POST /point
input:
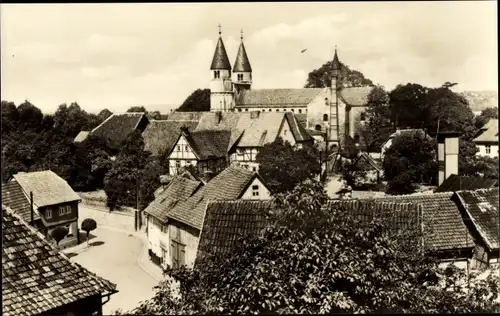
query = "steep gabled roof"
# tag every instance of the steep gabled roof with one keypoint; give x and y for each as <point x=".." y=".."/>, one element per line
<point x="47" y="187"/>
<point x="259" y="128"/>
<point x="220" y="60"/>
<point x="298" y="130"/>
<point x="459" y="183"/>
<point x="36" y="277"/>
<point x="227" y="185"/>
<point x="160" y="136"/>
<point x="481" y="207"/>
<point x="14" y="197"/>
<point x="116" y="128"/>
<point x="209" y="143"/>
<point x="227" y="221"/>
<point x="271" y="98"/>
<point x="242" y="64"/>
<point x="177" y="191"/>
<point x="488" y="133"/>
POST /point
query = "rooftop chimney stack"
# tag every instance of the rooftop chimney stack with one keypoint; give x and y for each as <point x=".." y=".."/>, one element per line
<point x="448" y="150"/>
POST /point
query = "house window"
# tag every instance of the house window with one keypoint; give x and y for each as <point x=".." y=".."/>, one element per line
<point x="293" y="110"/>
<point x="277" y="110"/>
<point x="254" y="169"/>
<point x="177" y="164"/>
<point x="285" y="132"/>
<point x="62" y="210"/>
<point x="263" y="110"/>
<point x="216" y="74"/>
<point x="325" y="117"/>
<point x="362" y="116"/>
<point x="317" y="127"/>
<point x="68" y="209"/>
<point x="179" y="148"/>
<point x="300" y="111"/>
<point x="246" y="110"/>
<point x="48" y="213"/>
<point x="186" y="148"/>
<point x="255" y="190"/>
<point x="488" y="149"/>
<point x="178" y="254"/>
<point x="239" y="110"/>
<point x="270" y="110"/>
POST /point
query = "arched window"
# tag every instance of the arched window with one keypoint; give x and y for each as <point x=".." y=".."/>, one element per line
<point x="317" y="127"/>
<point x="325" y="117"/>
<point x="216" y="74"/>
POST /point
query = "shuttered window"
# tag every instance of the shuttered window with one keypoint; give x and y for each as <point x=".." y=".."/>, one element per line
<point x="178" y="253"/>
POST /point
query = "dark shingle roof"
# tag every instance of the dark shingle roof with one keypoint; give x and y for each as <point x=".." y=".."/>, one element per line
<point x="226" y="221"/>
<point x="459" y="183"/>
<point x="227" y="185"/>
<point x="482" y="208"/>
<point x="14" y="197"/>
<point x="209" y="143"/>
<point x="47" y="187"/>
<point x="178" y="190"/>
<point x="185" y="116"/>
<point x="299" y="132"/>
<point x="242" y="64"/>
<point x="160" y="136"/>
<point x="444" y="227"/>
<point x="220" y="60"/>
<point x="277" y="97"/>
<point x="116" y="128"/>
<point x="36" y="277"/>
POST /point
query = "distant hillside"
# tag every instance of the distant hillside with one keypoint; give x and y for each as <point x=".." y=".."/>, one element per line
<point x="480" y="100"/>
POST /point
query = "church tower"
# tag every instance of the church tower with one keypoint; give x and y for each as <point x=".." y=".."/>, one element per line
<point x="242" y="69"/>
<point x="221" y="86"/>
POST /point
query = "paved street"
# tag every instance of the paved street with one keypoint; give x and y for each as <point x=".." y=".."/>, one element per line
<point x="119" y="257"/>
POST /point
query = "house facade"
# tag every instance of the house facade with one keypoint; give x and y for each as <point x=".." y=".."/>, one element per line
<point x="55" y="204"/>
<point x="175" y="217"/>
<point x="487" y="140"/>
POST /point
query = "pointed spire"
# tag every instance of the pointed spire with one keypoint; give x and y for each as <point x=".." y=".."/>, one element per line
<point x="220" y="59"/>
<point x="336" y="62"/>
<point x="242" y="64"/>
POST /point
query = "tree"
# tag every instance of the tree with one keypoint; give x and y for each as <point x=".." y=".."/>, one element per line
<point x="312" y="258"/>
<point x="88" y="225"/>
<point x="199" y="100"/>
<point x="149" y="181"/>
<point x="282" y="166"/>
<point x="138" y="108"/>
<point x="322" y="77"/>
<point x="59" y="233"/>
<point x="104" y="114"/>
<point x="409" y="160"/>
<point x="487" y="167"/>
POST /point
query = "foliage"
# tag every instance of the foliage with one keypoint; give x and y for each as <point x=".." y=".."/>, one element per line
<point x="199" y="100"/>
<point x="59" y="233"/>
<point x="411" y="159"/>
<point x="88" y="225"/>
<point x="490" y="113"/>
<point x="104" y="114"/>
<point x="487" y="167"/>
<point x="317" y="259"/>
<point x="149" y="181"/>
<point x="282" y="166"/>
<point x="321" y="77"/>
<point x="139" y="108"/>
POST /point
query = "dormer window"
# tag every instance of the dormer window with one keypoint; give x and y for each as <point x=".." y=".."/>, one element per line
<point x="240" y="77"/>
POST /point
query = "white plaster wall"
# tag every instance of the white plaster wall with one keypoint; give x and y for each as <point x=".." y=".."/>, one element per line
<point x="286" y="133"/>
<point x="482" y="151"/>
<point x="264" y="193"/>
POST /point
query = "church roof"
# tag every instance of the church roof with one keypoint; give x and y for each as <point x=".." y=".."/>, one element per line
<point x="355" y="96"/>
<point x="242" y="63"/>
<point x="336" y="62"/>
<point x="220" y="60"/>
<point x="277" y="97"/>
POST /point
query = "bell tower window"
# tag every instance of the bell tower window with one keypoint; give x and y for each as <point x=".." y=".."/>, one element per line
<point x="216" y="74"/>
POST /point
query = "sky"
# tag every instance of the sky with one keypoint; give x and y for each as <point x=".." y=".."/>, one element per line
<point x="119" y="55"/>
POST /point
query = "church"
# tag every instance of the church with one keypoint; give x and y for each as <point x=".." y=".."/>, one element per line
<point x="333" y="110"/>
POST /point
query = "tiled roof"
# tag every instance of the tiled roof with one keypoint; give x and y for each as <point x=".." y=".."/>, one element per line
<point x="459" y="183"/>
<point x="482" y="208"/>
<point x="185" y="116"/>
<point x="302" y="118"/>
<point x="222" y="121"/>
<point x="220" y="60"/>
<point x="260" y="128"/>
<point x="355" y="96"/>
<point x="298" y="130"/>
<point x="227" y="221"/>
<point x="444" y="228"/>
<point x="47" y="187"/>
<point x="209" y="143"/>
<point x="227" y="185"/>
<point x="116" y="128"/>
<point x="242" y="63"/>
<point x="277" y="97"/>
<point x="36" y="277"/>
<point x="81" y="136"/>
<point x="178" y="190"/>
<point x="14" y="197"/>
<point x="160" y="136"/>
<point x="489" y="133"/>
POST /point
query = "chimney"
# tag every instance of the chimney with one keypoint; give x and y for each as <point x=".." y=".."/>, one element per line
<point x="448" y="150"/>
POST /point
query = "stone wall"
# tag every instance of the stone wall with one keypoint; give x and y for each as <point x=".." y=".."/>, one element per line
<point x="120" y="219"/>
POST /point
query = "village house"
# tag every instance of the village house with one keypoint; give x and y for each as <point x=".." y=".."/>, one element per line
<point x="175" y="217"/>
<point x="116" y="128"/>
<point x="487" y="140"/>
<point x="54" y="202"/>
<point x="160" y="135"/>
<point x="37" y="279"/>
<point x="331" y="109"/>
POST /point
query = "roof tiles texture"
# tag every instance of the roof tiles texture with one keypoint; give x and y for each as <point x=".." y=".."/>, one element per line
<point x="482" y="208"/>
<point x="226" y="222"/>
<point x="220" y="59"/>
<point x="160" y="136"/>
<point x="209" y="143"/>
<point x="459" y="183"/>
<point x="14" y="197"/>
<point x="242" y="64"/>
<point x="277" y="97"/>
<point x="116" y="128"/>
<point x="47" y="187"/>
<point x="227" y="185"/>
<point x="36" y="277"/>
<point x="355" y="96"/>
<point x="185" y="116"/>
